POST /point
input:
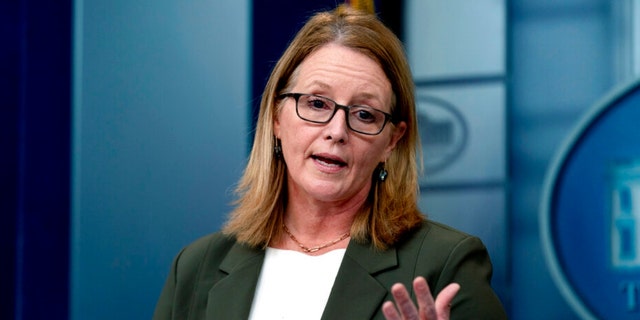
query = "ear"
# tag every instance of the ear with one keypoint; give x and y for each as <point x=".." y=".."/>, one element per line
<point x="276" y="126"/>
<point x="398" y="131"/>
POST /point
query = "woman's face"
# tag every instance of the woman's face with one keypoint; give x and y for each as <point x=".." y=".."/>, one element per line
<point x="329" y="162"/>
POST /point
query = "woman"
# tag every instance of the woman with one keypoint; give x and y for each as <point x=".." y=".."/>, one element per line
<point x="327" y="224"/>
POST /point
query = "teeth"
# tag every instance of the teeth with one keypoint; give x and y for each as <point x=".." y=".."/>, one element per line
<point x="329" y="162"/>
<point x="333" y="164"/>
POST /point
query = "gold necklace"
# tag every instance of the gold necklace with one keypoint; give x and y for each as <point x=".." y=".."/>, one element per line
<point x="316" y="248"/>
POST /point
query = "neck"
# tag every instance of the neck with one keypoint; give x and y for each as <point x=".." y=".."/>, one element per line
<point x="314" y="222"/>
<point x="318" y="205"/>
<point x="319" y="224"/>
<point x="314" y="249"/>
<point x="314" y="216"/>
<point x="314" y="232"/>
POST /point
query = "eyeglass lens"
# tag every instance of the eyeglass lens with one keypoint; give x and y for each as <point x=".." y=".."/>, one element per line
<point x="321" y="110"/>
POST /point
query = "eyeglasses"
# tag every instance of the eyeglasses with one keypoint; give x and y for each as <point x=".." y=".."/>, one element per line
<point x="317" y="109"/>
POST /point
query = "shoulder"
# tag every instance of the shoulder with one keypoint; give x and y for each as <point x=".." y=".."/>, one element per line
<point x="446" y="235"/>
<point x="436" y="247"/>
<point x="212" y="247"/>
<point x="444" y="255"/>
<point x="215" y="241"/>
<point x="434" y="236"/>
<point x="196" y="262"/>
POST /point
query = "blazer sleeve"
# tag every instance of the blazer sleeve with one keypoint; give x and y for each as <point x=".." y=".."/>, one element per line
<point x="469" y="265"/>
<point x="193" y="273"/>
<point x="178" y="299"/>
<point x="164" y="306"/>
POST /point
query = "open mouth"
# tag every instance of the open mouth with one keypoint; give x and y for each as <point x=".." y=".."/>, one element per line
<point x="332" y="162"/>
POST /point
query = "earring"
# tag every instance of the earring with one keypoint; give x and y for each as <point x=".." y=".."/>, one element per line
<point x="277" y="149"/>
<point x="382" y="173"/>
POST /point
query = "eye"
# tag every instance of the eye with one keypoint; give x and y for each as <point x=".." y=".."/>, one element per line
<point x="365" y="115"/>
<point x="317" y="103"/>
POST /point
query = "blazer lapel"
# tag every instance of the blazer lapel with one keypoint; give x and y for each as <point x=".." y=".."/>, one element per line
<point x="232" y="296"/>
<point x="356" y="293"/>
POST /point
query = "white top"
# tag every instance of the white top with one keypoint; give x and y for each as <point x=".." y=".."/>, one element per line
<point x="293" y="285"/>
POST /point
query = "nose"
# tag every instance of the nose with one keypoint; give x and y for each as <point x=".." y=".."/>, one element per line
<point x="337" y="129"/>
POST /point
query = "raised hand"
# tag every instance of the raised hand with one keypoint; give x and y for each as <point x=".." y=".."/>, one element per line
<point x="427" y="308"/>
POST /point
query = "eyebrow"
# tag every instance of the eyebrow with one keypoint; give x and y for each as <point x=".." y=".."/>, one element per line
<point x="360" y="96"/>
<point x="321" y="84"/>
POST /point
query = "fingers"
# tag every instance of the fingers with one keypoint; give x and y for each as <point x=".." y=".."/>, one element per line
<point x="389" y="311"/>
<point x="427" y="307"/>
<point x="405" y="308"/>
<point x="444" y="299"/>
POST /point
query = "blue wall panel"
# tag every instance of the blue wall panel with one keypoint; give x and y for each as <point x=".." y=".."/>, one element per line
<point x="160" y="138"/>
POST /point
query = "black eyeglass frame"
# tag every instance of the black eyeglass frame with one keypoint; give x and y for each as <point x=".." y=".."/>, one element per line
<point x="387" y="116"/>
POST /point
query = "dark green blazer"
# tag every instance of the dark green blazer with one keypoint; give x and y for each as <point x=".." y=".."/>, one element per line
<point x="215" y="277"/>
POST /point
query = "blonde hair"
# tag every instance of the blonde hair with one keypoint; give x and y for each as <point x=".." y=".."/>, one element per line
<point x="391" y="208"/>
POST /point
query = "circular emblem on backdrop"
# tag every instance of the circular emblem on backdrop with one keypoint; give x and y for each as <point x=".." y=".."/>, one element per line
<point x="443" y="132"/>
<point x="590" y="212"/>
